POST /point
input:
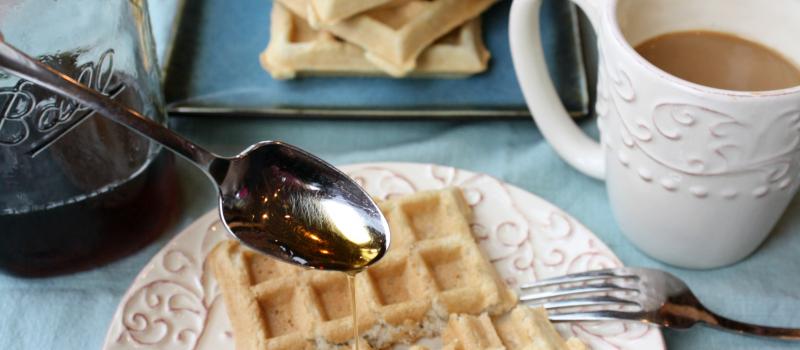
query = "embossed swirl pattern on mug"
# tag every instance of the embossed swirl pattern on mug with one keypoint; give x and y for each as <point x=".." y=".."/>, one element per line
<point x="766" y="153"/>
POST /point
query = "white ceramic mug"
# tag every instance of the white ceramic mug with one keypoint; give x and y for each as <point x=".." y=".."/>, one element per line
<point x="696" y="176"/>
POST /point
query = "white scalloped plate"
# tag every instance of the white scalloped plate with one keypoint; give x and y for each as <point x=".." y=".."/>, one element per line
<point x="174" y="303"/>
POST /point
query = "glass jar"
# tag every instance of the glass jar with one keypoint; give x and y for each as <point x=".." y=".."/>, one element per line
<point x="77" y="190"/>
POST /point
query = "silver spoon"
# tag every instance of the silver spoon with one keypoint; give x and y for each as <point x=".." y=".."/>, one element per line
<point x="274" y="197"/>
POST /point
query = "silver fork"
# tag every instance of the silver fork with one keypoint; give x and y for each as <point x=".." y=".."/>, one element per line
<point x="634" y="294"/>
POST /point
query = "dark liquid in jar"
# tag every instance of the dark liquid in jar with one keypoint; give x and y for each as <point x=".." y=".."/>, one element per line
<point x="94" y="231"/>
<point x="95" y="193"/>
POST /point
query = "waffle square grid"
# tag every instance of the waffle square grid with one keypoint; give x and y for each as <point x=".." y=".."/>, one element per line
<point x="434" y="268"/>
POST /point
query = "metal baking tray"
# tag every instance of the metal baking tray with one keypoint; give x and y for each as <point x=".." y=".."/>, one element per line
<point x="209" y="52"/>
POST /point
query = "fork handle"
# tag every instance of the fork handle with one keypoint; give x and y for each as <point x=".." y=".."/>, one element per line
<point x="726" y="324"/>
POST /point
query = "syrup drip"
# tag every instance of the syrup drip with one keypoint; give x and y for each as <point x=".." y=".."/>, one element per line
<point x="351" y="284"/>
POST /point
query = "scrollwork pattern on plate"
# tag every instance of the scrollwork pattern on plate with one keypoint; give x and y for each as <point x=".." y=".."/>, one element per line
<point x="383" y="183"/>
<point x="170" y="306"/>
<point x="149" y="312"/>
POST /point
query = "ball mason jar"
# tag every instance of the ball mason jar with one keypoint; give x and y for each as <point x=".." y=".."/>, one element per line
<point x="77" y="190"/>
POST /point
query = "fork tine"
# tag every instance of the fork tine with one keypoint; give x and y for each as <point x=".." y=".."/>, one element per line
<point x="574" y="291"/>
<point x="602" y="315"/>
<point x="579" y="277"/>
<point x="590" y="301"/>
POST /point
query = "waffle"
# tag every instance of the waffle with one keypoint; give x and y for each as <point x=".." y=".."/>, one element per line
<point x="393" y="36"/>
<point x="332" y="11"/>
<point x="433" y="269"/>
<point x="296" y="48"/>
<point x="523" y="328"/>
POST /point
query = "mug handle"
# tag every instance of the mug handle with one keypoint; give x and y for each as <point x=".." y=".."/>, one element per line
<point x="568" y="140"/>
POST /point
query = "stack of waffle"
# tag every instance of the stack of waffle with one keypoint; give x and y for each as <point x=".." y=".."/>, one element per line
<point x="372" y="37"/>
<point x="433" y="278"/>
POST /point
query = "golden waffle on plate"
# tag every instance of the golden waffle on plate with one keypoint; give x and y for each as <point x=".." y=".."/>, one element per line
<point x="296" y="48"/>
<point x="433" y="269"/>
<point x="394" y="35"/>
<point x="523" y="328"/>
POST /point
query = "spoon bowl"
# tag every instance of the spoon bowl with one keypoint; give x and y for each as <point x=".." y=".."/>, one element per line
<point x="274" y="197"/>
<point x="285" y="202"/>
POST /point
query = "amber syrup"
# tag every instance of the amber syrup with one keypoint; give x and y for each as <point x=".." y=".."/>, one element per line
<point x="351" y="284"/>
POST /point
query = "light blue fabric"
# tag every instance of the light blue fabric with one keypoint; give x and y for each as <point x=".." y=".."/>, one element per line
<point x="73" y="312"/>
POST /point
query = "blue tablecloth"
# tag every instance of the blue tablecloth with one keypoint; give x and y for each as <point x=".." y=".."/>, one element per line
<point x="73" y="312"/>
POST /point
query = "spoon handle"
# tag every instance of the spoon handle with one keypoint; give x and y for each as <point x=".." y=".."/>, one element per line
<point x="20" y="64"/>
